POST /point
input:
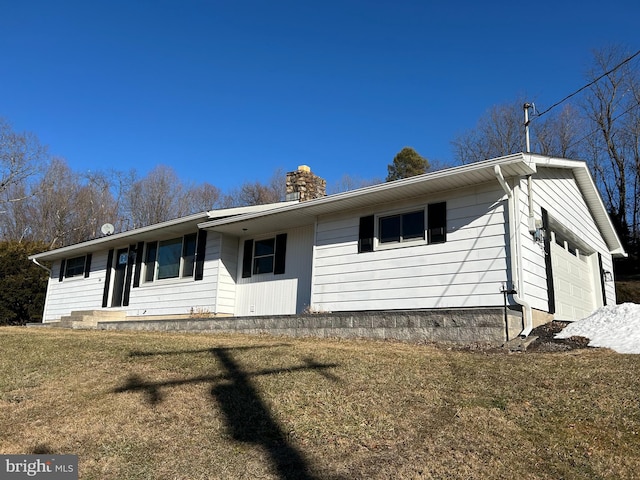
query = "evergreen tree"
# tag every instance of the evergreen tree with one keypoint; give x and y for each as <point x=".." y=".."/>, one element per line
<point x="22" y="284"/>
<point x="407" y="163"/>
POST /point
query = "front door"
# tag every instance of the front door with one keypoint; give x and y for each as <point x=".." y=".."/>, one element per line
<point x="122" y="259"/>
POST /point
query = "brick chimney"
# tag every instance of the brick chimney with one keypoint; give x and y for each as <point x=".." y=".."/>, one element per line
<point x="303" y="185"/>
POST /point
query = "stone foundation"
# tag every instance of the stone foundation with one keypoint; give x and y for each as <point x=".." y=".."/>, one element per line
<point x="486" y="325"/>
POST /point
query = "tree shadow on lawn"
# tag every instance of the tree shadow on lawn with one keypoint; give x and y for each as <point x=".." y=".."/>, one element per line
<point x="247" y="416"/>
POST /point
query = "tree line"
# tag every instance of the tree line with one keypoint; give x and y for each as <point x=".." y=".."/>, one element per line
<point x="42" y="199"/>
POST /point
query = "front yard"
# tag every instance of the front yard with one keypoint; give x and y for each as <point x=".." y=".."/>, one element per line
<point x="200" y="406"/>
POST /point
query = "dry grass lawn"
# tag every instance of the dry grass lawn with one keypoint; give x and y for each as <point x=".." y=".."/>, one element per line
<point x="199" y="406"/>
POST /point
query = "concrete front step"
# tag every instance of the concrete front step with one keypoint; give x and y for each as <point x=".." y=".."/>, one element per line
<point x="90" y="318"/>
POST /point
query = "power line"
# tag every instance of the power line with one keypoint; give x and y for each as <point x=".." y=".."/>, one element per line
<point x="589" y="84"/>
<point x="597" y="129"/>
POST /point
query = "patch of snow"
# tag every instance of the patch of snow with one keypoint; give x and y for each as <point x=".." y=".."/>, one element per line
<point x="615" y="326"/>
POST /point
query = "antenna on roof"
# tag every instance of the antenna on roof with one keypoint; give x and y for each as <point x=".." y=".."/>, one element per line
<point x="107" y="229"/>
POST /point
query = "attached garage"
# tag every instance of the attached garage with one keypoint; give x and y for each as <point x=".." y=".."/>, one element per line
<point x="575" y="270"/>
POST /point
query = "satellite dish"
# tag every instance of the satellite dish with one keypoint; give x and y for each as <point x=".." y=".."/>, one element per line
<point x="107" y="229"/>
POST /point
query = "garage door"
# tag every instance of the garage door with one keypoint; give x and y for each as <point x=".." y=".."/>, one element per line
<point x="572" y="282"/>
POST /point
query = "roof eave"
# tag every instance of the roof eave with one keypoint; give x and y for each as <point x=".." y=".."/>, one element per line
<point x="514" y="165"/>
<point x="592" y="197"/>
<point x="119" y="239"/>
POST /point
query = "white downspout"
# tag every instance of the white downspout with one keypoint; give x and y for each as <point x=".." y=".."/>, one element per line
<point x="35" y="260"/>
<point x="515" y="253"/>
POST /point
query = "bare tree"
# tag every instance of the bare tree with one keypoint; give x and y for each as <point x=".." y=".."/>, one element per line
<point x="558" y="135"/>
<point x="154" y="198"/>
<point x="61" y="208"/>
<point x="500" y="131"/>
<point x="612" y="106"/>
<point x="21" y="156"/>
<point x="258" y="193"/>
<point x="604" y="130"/>
<point x="349" y="182"/>
<point x="203" y="197"/>
<point x="162" y="196"/>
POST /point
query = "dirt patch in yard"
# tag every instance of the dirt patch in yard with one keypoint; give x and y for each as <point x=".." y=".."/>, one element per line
<point x="546" y="341"/>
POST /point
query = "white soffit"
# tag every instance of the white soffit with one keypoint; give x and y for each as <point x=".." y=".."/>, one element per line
<point x="305" y="213"/>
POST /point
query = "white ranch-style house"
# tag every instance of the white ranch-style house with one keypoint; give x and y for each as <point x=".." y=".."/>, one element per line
<point x="519" y="240"/>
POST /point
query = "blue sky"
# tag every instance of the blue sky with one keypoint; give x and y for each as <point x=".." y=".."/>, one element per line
<point x="229" y="91"/>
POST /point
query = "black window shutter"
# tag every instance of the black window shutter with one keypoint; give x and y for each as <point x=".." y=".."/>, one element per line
<point x="63" y="264"/>
<point x="127" y="282"/>
<point x="201" y="247"/>
<point x="365" y="234"/>
<point x="107" y="279"/>
<point x="547" y="262"/>
<point x="247" y="258"/>
<point x="602" y="286"/>
<point x="437" y="222"/>
<point x="87" y="265"/>
<point x="136" y="275"/>
<point x="281" y="254"/>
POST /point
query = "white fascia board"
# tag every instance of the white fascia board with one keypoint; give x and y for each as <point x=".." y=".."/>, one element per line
<point x="124" y="238"/>
<point x="229" y="212"/>
<point x="521" y="166"/>
<point x="591" y="196"/>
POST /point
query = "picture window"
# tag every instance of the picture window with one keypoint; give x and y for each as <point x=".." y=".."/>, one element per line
<point x="173" y="258"/>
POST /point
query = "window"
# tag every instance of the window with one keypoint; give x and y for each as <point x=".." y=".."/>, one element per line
<point x="263" y="256"/>
<point x="401" y="228"/>
<point x="188" y="255"/>
<point x="75" y="267"/>
<point x="266" y="255"/>
<point x="150" y="261"/>
<point x="172" y="258"/>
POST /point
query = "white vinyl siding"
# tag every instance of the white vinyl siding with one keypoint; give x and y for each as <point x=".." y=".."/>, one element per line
<point x="166" y="297"/>
<point x="467" y="270"/>
<point x="557" y="191"/>
<point x="226" y="294"/>
<point x="178" y="296"/>
<point x="75" y="293"/>
<point x="532" y="255"/>
<point x="288" y="293"/>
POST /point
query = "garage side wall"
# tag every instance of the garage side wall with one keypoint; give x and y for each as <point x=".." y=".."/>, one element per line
<point x="557" y="191"/>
